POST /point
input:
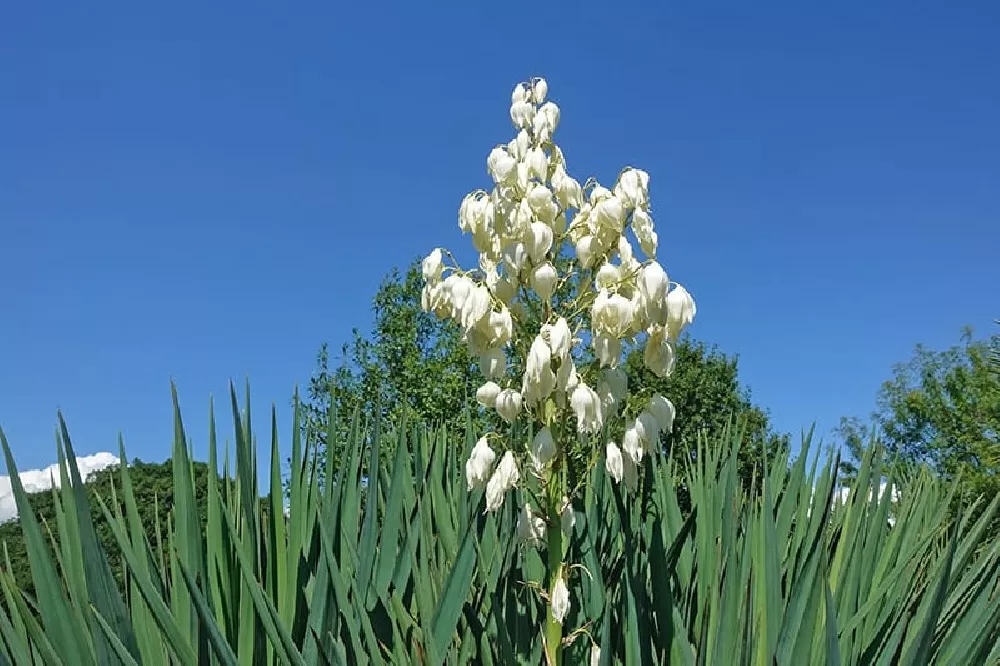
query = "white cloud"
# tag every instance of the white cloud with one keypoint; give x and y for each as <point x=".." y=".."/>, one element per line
<point x="37" y="480"/>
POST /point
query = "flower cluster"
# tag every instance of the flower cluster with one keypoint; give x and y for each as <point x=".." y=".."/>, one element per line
<point x="570" y="359"/>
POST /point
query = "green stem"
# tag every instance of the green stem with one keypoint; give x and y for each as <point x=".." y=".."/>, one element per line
<point x="554" y="549"/>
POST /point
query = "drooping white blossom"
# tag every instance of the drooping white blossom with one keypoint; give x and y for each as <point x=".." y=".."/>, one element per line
<point x="486" y="395"/>
<point x="480" y="464"/>
<point x="543" y="448"/>
<point x="659" y="352"/>
<point x="544" y="279"/>
<point x="680" y="311"/>
<point x="560" y="600"/>
<point x="493" y="363"/>
<point x="504" y="478"/>
<point x="664" y="412"/>
<point x="508" y="404"/>
<point x="587" y="407"/>
<point x="530" y="527"/>
<point x="613" y="462"/>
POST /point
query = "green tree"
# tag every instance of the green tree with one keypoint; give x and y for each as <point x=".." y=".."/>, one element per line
<point x="414" y="362"/>
<point x="942" y="408"/>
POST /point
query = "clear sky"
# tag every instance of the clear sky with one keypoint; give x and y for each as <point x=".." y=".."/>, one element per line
<point x="206" y="191"/>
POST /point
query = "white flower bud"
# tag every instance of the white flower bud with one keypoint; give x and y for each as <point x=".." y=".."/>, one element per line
<point x="508" y="405"/>
<point x="544" y="280"/>
<point x="664" y="412"/>
<point x="530" y="527"/>
<point x="607" y="276"/>
<point x="653" y="285"/>
<point x="541" y="241"/>
<point x="432" y="267"/>
<point x="611" y="389"/>
<point x="633" y="188"/>
<point x="587" y="407"/>
<point x="539" y="357"/>
<point x="457" y="289"/>
<point x="493" y="364"/>
<point x="559" y="336"/>
<point x="560" y="600"/>
<point x="599" y="193"/>
<point x="522" y="114"/>
<point x="595" y="655"/>
<point x="538" y="163"/>
<point x="501" y="165"/>
<point x="506" y="288"/>
<point x="628" y="260"/>
<point x="523" y="177"/>
<point x="543" y="448"/>
<point x="480" y="464"/>
<point x="516" y="256"/>
<point x="642" y="227"/>
<point x="659" y="353"/>
<point x="585" y="251"/>
<point x="613" y="462"/>
<point x="538" y="90"/>
<point x="504" y="478"/>
<point x="680" y="311"/>
<point x="567" y="516"/>
<point x="486" y="395"/>
<point x="566" y="379"/>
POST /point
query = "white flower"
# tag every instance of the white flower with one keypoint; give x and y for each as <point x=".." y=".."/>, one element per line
<point x="504" y="478"/>
<point x="476" y="307"/>
<point x="566" y="378"/>
<point x="501" y="165"/>
<point x="659" y="353"/>
<point x="480" y="463"/>
<point x="595" y="655"/>
<point x="632" y="444"/>
<point x="538" y="163"/>
<point x="505" y="288"/>
<point x="520" y="94"/>
<point x="542" y="204"/>
<point x="567" y="516"/>
<point x="486" y="395"/>
<point x="585" y="251"/>
<point x="613" y="462"/>
<point x="560" y="338"/>
<point x="611" y="314"/>
<point x="522" y="114"/>
<point x="530" y="527"/>
<point x="508" y="405"/>
<point x="653" y="285"/>
<point x="493" y="363"/>
<point x="538" y="90"/>
<point x="545" y="122"/>
<point x="539" y="357"/>
<point x="457" y="289"/>
<point x="539" y="379"/>
<point x="648" y="429"/>
<point x="541" y="241"/>
<point x="587" y="407"/>
<point x="560" y="600"/>
<point x="633" y="188"/>
<point x="544" y="280"/>
<point x="607" y="275"/>
<point x="642" y="227"/>
<point x="611" y="389"/>
<point x="432" y="266"/>
<point x="515" y="256"/>
<point x="520" y="146"/>
<point x="501" y="327"/>
<point x="607" y="349"/>
<point x="664" y="412"/>
<point x="567" y="190"/>
<point x="610" y="214"/>
<point x="680" y="311"/>
<point x="520" y="220"/>
<point x="543" y="448"/>
<point x="629" y="263"/>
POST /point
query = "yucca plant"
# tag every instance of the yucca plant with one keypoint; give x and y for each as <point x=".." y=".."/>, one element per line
<point x="392" y="561"/>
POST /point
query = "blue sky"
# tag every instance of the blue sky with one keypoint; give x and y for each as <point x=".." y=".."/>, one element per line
<point x="201" y="192"/>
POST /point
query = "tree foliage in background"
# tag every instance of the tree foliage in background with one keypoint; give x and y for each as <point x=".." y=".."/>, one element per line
<point x="941" y="408"/>
<point x="414" y="362"/>
<point x="153" y="487"/>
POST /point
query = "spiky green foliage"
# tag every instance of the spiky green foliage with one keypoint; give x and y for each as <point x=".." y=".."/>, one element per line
<point x="393" y="561"/>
